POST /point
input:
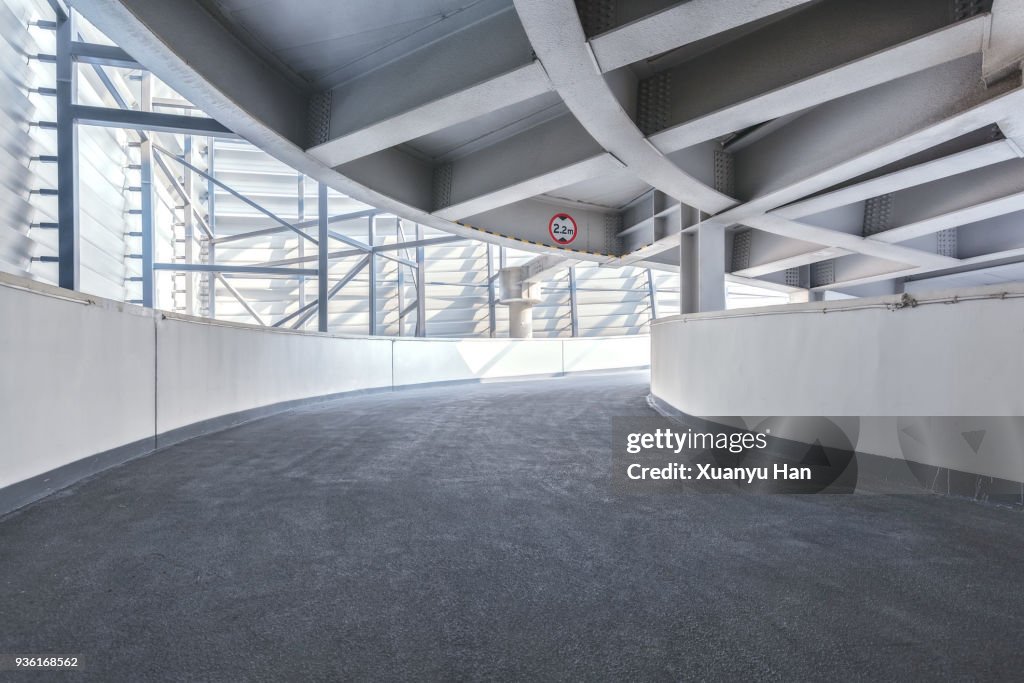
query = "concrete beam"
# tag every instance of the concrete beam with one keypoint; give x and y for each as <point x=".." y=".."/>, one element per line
<point x="680" y="25"/>
<point x="755" y="105"/>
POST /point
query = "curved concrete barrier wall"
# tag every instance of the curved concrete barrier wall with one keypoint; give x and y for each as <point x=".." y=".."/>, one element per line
<point x="938" y="368"/>
<point x="856" y="357"/>
<point x="86" y="382"/>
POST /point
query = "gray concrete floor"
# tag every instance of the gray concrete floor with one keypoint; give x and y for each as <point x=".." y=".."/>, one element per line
<point x="471" y="533"/>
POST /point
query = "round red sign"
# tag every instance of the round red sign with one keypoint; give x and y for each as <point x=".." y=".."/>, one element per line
<point x="562" y="228"/>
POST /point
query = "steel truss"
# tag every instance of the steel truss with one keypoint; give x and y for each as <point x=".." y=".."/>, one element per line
<point x="156" y="167"/>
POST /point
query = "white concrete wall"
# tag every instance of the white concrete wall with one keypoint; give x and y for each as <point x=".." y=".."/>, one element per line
<point x="847" y="358"/>
<point x="419" y="361"/>
<point x="76" y="378"/>
<point x="81" y="375"/>
<point x="205" y="369"/>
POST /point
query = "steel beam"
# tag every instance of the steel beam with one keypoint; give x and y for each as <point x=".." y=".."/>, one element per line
<point x="920" y="174"/>
<point x="951" y="202"/>
<point x="241" y="299"/>
<point x="878" y="127"/>
<point x="853" y="243"/>
<point x="344" y="253"/>
<point x="148" y="120"/>
<point x="102" y="55"/>
<point x="753" y="103"/>
<point x="311" y="223"/>
<point x="546" y="157"/>
<point x="238" y="195"/>
<point x="192" y="212"/>
<point x="1005" y="49"/>
<point x="226" y="268"/>
<point x="432" y="242"/>
<point x="308" y="313"/>
<point x="680" y="25"/>
<point x="432" y="115"/>
<point x="554" y="29"/>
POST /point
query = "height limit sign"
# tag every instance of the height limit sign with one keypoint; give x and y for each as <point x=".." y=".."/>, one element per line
<point x="562" y="228"/>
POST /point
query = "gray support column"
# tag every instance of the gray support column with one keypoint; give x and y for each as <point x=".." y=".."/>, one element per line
<point x="400" y="277"/>
<point x="421" y="287"/>
<point x="574" y="317"/>
<point x="652" y="295"/>
<point x="520" y="320"/>
<point x="211" y="220"/>
<point x="322" y="265"/>
<point x="491" y="308"/>
<point x="372" y="271"/>
<point x="520" y="297"/>
<point x="702" y="270"/>
<point x="300" y="212"/>
<point x="146" y="173"/>
<point x="67" y="161"/>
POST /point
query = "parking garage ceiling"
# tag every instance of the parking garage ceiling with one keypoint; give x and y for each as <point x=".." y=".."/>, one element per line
<point x="844" y="142"/>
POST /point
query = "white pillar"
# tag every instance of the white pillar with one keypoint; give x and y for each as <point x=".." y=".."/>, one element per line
<point x="520" y="297"/>
<point x="702" y="270"/>
<point x="520" y="320"/>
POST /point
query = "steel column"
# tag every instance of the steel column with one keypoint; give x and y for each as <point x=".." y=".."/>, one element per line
<point x="189" y="255"/>
<point x="421" y="287"/>
<point x="322" y="264"/>
<point x="652" y="294"/>
<point x="491" y="308"/>
<point x="400" y="236"/>
<point x="371" y="228"/>
<point x="573" y="311"/>
<point x="211" y="220"/>
<point x="301" y="216"/>
<point x="146" y="172"/>
<point x="67" y="160"/>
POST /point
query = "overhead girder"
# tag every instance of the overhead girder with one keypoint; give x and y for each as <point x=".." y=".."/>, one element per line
<point x="825" y="104"/>
<point x="869" y="43"/>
